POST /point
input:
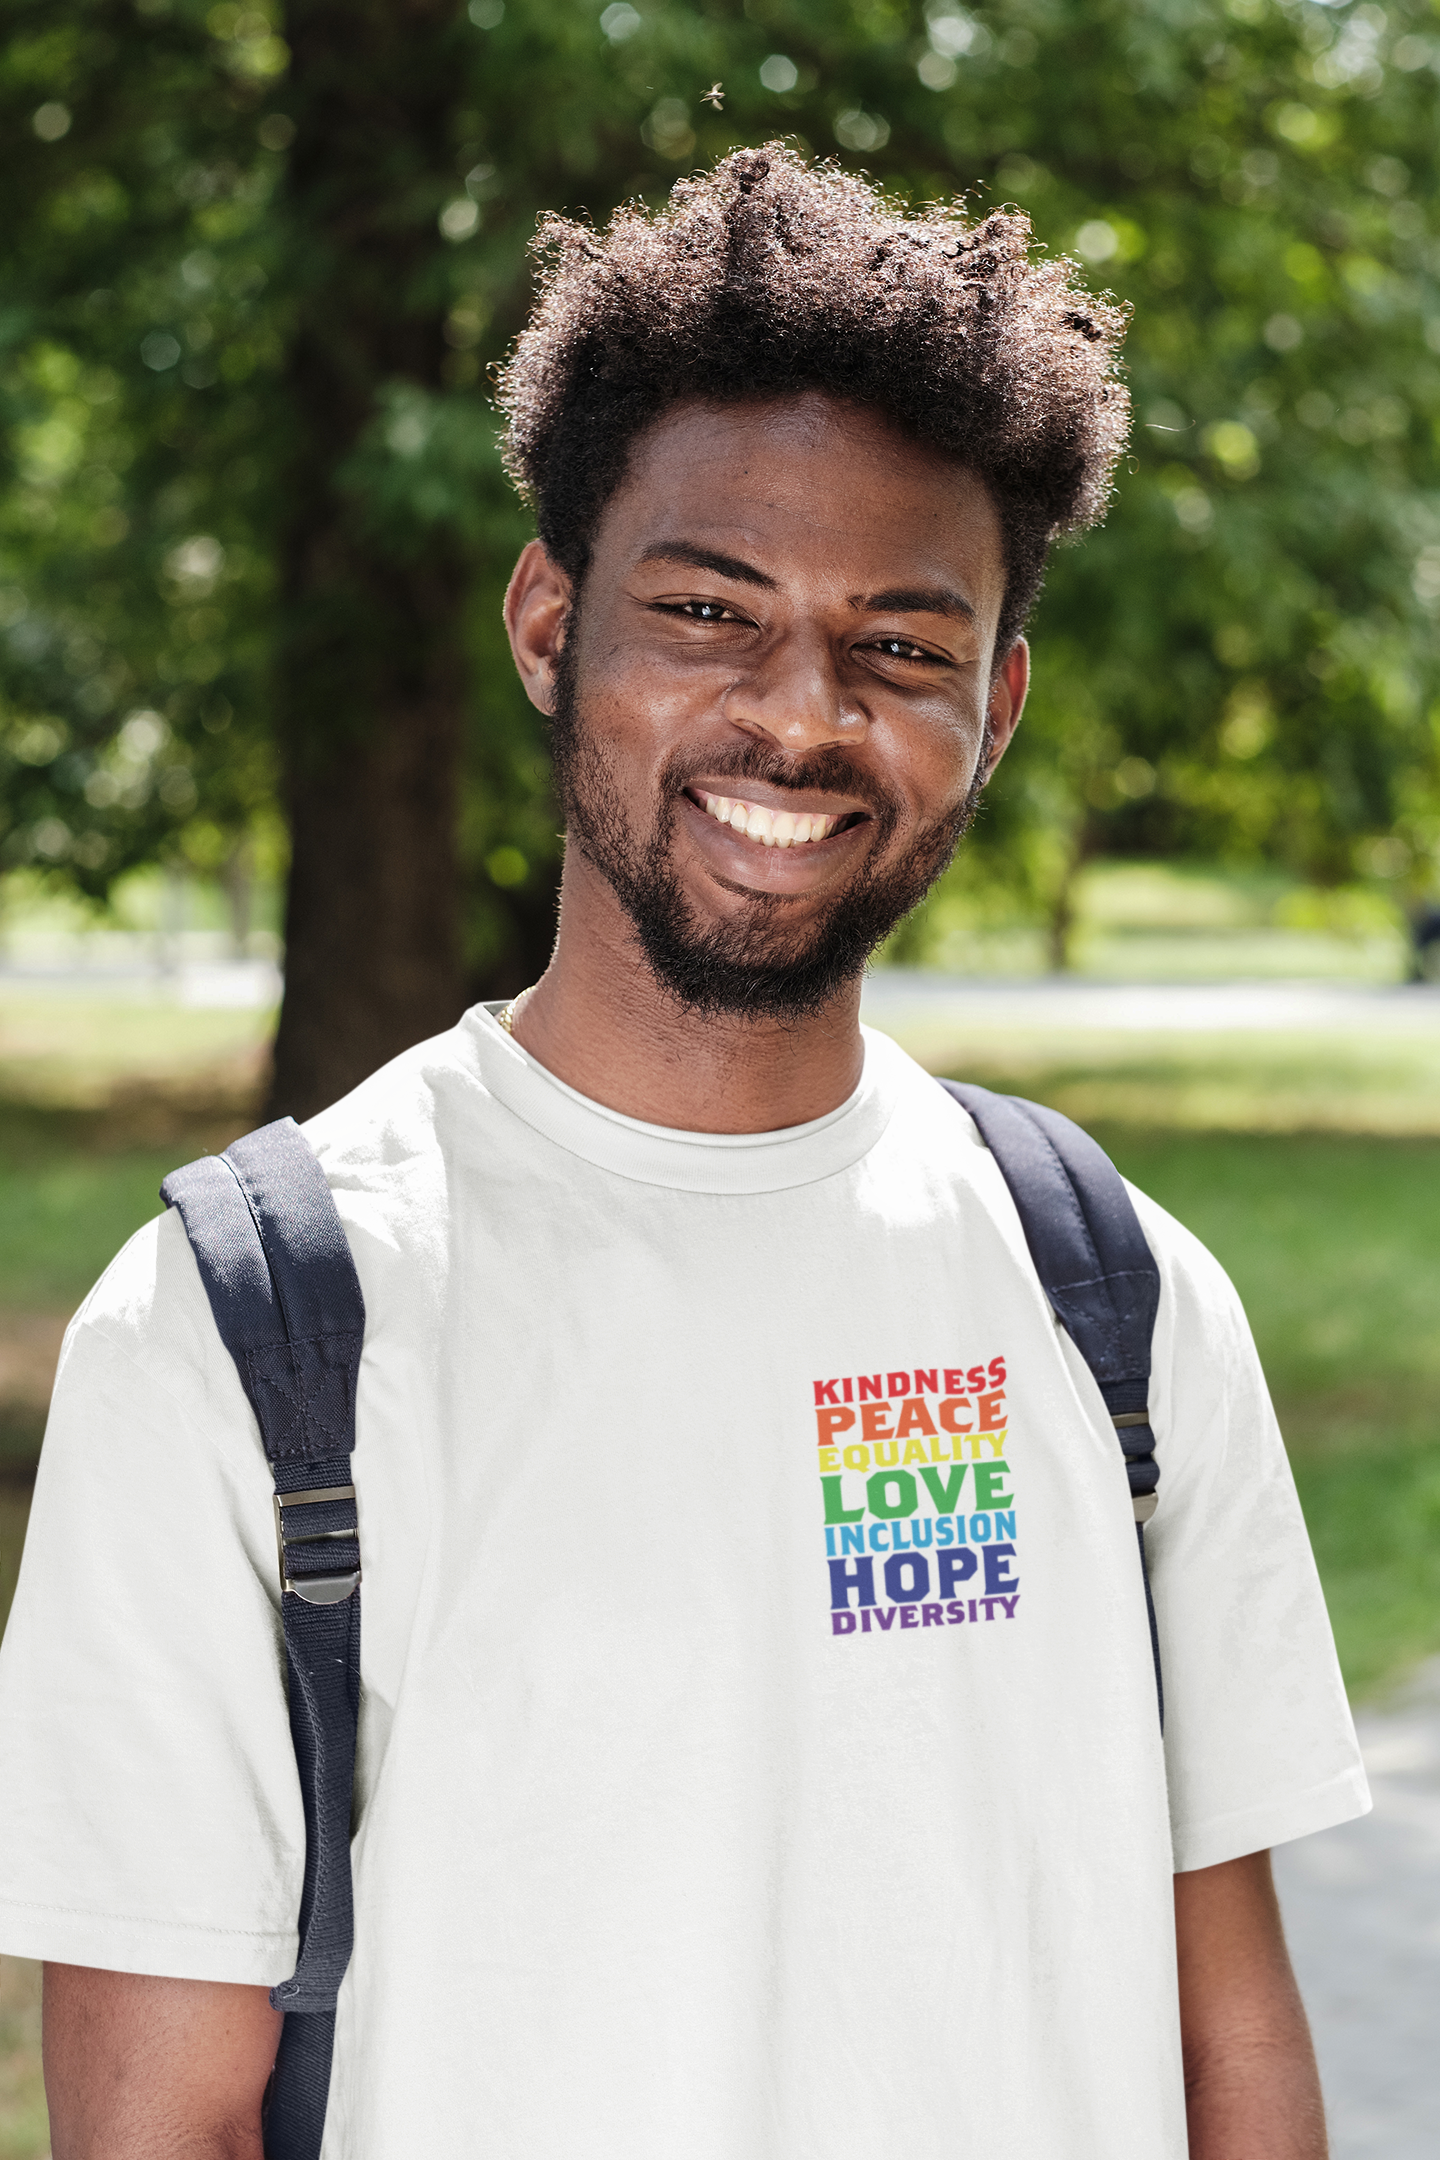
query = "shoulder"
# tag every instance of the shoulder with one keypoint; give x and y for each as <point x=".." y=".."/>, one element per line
<point x="147" y="1326"/>
<point x="1207" y="1388"/>
<point x="387" y="1147"/>
<point x="1195" y="1288"/>
<point x="144" y="1347"/>
<point x="399" y="1116"/>
<point x="150" y="1299"/>
<point x="1200" y="1311"/>
<point x="1197" y="1298"/>
<point x="924" y="1119"/>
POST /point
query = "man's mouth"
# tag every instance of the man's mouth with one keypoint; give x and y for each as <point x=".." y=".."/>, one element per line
<point x="773" y="828"/>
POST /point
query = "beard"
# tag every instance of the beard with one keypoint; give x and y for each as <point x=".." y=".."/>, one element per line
<point x="760" y="966"/>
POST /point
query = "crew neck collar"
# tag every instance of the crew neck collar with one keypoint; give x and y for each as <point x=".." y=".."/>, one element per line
<point x="687" y="1161"/>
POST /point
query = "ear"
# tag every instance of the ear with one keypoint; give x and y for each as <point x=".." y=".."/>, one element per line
<point x="537" y="609"/>
<point x="1007" y="700"/>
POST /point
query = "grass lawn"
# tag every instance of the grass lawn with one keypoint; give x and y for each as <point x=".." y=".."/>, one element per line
<point x="1378" y="1083"/>
<point x="24" y="2127"/>
<point x="68" y="1209"/>
<point x="1334" y="1245"/>
<point x="69" y="1051"/>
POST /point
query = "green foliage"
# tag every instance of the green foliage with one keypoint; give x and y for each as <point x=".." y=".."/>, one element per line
<point x="1241" y="663"/>
<point x="135" y="574"/>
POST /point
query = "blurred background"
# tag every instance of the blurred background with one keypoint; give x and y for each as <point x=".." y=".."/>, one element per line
<point x="272" y="805"/>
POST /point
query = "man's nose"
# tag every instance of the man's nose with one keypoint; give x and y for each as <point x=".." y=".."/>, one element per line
<point x="793" y="693"/>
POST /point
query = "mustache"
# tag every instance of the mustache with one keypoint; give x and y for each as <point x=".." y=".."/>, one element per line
<point x="830" y="770"/>
<point x="755" y="968"/>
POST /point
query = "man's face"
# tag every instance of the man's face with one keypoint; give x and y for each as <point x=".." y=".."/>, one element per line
<point x="774" y="705"/>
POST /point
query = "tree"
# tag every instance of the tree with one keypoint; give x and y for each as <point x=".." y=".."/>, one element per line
<point x="370" y="668"/>
<point x="133" y="352"/>
<point x="254" y="525"/>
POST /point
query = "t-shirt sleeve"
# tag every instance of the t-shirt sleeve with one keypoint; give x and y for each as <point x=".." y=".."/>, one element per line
<point x="150" y="1814"/>
<point x="1259" y="1743"/>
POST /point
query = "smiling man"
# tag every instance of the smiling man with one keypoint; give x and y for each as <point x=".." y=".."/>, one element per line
<point x="706" y="1808"/>
<point x="789" y="712"/>
<point x="788" y="715"/>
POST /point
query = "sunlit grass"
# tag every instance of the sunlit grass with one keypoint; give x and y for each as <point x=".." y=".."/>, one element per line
<point x="62" y="1050"/>
<point x="66" y="1213"/>
<point x="1164" y="922"/>
<point x="1334" y="1245"/>
<point x="24" y="2125"/>
<point x="1236" y="1080"/>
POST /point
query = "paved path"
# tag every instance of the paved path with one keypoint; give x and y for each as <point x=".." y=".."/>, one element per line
<point x="894" y="996"/>
<point x="1362" y="1910"/>
<point x="245" y="984"/>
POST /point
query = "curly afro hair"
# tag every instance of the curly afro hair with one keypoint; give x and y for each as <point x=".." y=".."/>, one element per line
<point x="767" y="277"/>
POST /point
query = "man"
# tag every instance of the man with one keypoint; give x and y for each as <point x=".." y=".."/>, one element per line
<point x="683" y="1830"/>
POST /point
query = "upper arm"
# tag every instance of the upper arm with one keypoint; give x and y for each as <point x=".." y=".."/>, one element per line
<point x="143" y="2068"/>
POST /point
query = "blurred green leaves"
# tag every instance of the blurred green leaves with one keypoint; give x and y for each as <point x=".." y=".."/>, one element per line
<point x="425" y="463"/>
<point x="133" y="570"/>
<point x="1243" y="662"/>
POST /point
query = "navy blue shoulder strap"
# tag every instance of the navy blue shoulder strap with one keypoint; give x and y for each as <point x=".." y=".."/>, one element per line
<point x="1094" y="1266"/>
<point x="277" y="1270"/>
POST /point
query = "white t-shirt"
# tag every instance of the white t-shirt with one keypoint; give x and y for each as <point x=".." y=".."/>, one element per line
<point x="690" y="1822"/>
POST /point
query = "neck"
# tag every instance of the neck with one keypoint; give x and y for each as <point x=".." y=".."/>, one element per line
<point x="600" y="1021"/>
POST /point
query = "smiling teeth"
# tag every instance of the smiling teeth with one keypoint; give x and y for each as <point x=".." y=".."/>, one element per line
<point x="772" y="828"/>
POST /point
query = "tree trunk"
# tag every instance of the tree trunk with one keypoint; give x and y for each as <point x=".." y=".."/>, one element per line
<point x="372" y="939"/>
<point x="370" y="677"/>
<point x="1060" y="928"/>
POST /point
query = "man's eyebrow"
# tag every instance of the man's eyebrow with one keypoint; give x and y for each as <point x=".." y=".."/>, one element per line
<point x="703" y="558"/>
<point x="916" y="600"/>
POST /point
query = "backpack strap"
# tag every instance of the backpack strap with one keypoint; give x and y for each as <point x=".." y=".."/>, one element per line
<point x="286" y="1299"/>
<point x="1095" y="1268"/>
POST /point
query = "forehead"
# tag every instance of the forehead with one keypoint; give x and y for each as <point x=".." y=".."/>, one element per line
<point x="808" y="487"/>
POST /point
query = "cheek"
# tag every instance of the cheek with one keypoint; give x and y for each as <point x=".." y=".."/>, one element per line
<point x="641" y="702"/>
<point x="933" y="757"/>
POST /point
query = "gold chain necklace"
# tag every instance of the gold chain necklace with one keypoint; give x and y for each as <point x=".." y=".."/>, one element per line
<point x="507" y="1012"/>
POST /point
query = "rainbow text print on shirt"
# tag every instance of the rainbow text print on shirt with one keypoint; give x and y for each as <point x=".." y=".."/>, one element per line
<point x="919" y="1509"/>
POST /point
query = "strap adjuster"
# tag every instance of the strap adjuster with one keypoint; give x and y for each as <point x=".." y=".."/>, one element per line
<point x="1125" y="1421"/>
<point x="317" y="1589"/>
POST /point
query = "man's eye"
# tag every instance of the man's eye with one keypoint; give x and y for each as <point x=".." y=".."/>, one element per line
<point x="895" y="648"/>
<point x="704" y="611"/>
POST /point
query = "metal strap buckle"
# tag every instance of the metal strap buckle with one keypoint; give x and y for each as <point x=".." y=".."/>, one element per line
<point x="314" y="1589"/>
<point x="1145" y="1503"/>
